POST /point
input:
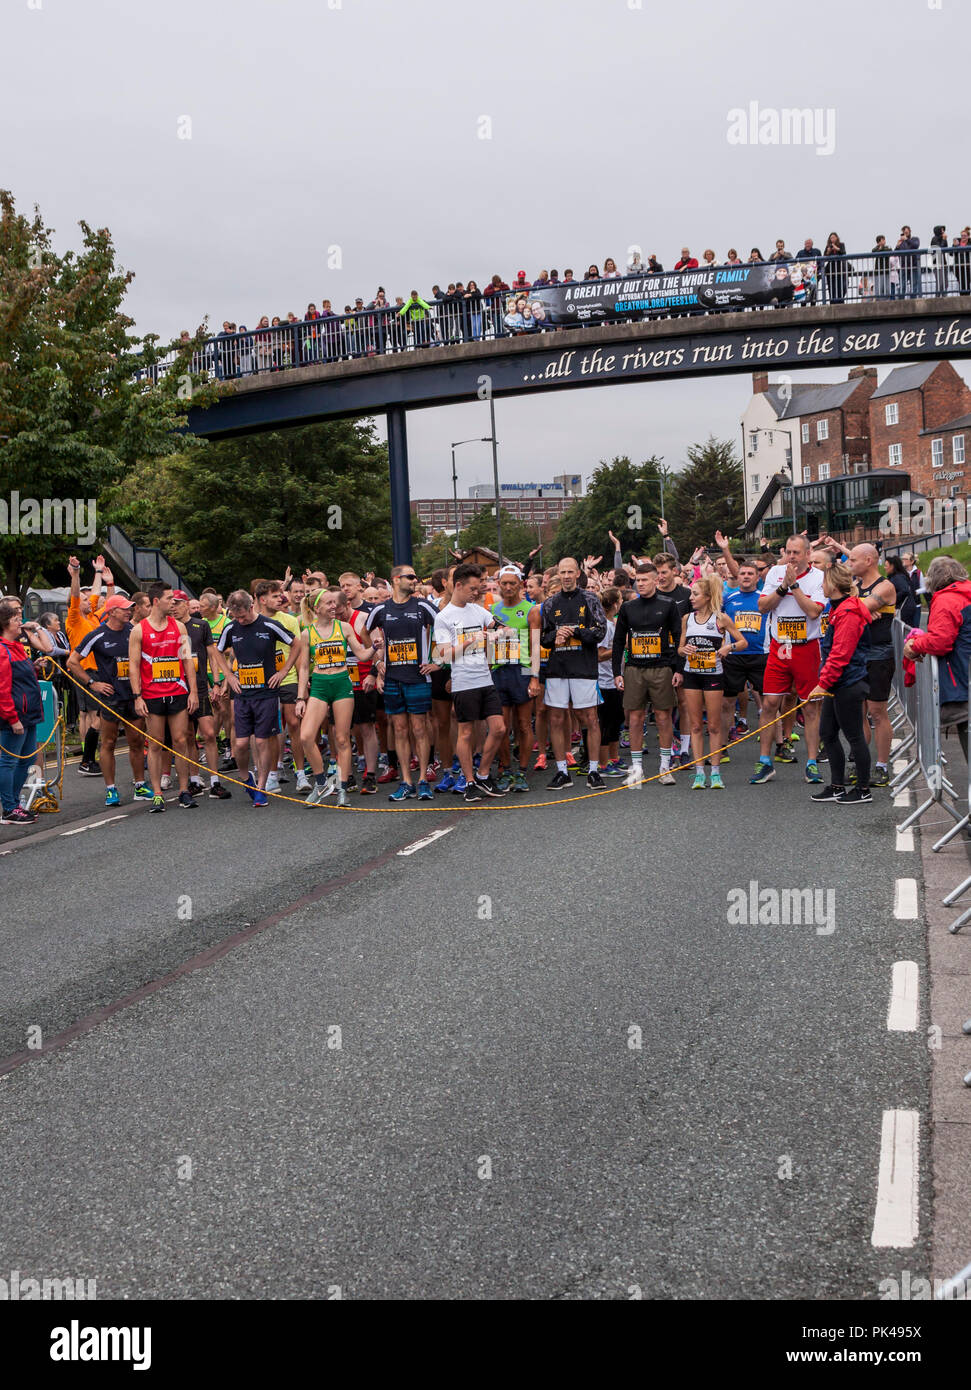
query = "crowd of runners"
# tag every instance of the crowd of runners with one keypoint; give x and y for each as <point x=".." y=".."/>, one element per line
<point x="470" y="684"/>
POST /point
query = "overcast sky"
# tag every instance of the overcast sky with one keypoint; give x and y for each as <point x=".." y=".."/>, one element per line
<point x="357" y="123"/>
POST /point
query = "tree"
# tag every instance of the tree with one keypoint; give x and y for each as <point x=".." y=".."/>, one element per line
<point x="317" y="496"/>
<point x="707" y="495"/>
<point x="75" y="415"/>
<point x="622" y="498"/>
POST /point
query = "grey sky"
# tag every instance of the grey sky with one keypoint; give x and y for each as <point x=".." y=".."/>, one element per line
<point x="358" y="127"/>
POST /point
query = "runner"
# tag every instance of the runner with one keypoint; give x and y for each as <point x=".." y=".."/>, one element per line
<point x="252" y="641"/>
<point x="880" y="597"/>
<point x="573" y="627"/>
<point x="220" y="696"/>
<point x="517" y="620"/>
<point x="83" y="617"/>
<point x="648" y="635"/>
<point x="669" y="585"/>
<point x="842" y="686"/>
<point x="203" y="649"/>
<point x="364" y="682"/>
<point x="271" y="602"/>
<point x="403" y="624"/>
<point x="108" y="643"/>
<point x="163" y="684"/>
<point x="325" y="688"/>
<point x="707" y="635"/>
<point x="744" y="669"/>
<point x="443" y="715"/>
<point x="610" y="714"/>
<point x="460" y="641"/>
<point x="793" y="598"/>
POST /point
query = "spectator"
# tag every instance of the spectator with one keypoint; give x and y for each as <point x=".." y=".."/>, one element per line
<point x="437" y="291"/>
<point x="913" y="572"/>
<point x="496" y="285"/>
<point x="610" y="269"/>
<point x="329" y="332"/>
<point x="311" y="342"/>
<point x="948" y="637"/>
<point x="906" y="603"/>
<point x="473" y="304"/>
<point x="635" y="266"/>
<point x="687" y="261"/>
<point x="264" y="345"/>
<point x="654" y="265"/>
<point x="881" y="268"/>
<point x="568" y="277"/>
<point x="755" y="257"/>
<point x="962" y="260"/>
<point x="51" y="623"/>
<point x="542" y="280"/>
<point x="708" y="259"/>
<point x="417" y="315"/>
<point x="592" y="273"/>
<point x="21" y="710"/>
<point x="733" y="258"/>
<point x="907" y="248"/>
<point x="836" y="270"/>
<point x="939" y="240"/>
<point x="554" y="277"/>
<point x="780" y="253"/>
<point x="520" y="282"/>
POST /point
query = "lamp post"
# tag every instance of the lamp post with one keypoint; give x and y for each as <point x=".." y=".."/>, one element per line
<point x="659" y="480"/>
<point x="774" y="429"/>
<point x="495" y="473"/>
<point x="455" y="478"/>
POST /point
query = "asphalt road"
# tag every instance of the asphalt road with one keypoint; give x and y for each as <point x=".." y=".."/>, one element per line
<point x="563" y="1072"/>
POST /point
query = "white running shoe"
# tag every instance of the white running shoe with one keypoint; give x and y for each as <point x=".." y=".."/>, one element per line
<point x="635" y="776"/>
<point x="166" y="781"/>
<point x="666" y="778"/>
<point x="303" y="782"/>
<point x="316" y="796"/>
<point x="273" y="781"/>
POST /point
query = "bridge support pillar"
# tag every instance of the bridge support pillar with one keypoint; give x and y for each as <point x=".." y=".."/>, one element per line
<point x="400" y="491"/>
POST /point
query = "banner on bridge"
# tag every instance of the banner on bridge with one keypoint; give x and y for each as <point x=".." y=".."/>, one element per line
<point x="717" y="287"/>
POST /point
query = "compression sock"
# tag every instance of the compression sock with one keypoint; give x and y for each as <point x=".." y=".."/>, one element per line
<point x="90" y="746"/>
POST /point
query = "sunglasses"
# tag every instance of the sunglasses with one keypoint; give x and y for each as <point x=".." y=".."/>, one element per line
<point x="407" y="576"/>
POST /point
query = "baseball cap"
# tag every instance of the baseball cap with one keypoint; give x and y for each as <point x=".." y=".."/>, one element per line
<point x="180" y="595"/>
<point x="117" y="601"/>
<point x="511" y="569"/>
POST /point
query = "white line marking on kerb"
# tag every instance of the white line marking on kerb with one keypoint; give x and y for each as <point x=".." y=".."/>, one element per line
<point x="426" y="840"/>
<point x="895" y="744"/>
<point x="902" y="798"/>
<point x="905" y="840"/>
<point x="905" y="899"/>
<point x="899" y="764"/>
<point x="895" y="1222"/>
<point x="94" y="825"/>
<point x="904" y="1002"/>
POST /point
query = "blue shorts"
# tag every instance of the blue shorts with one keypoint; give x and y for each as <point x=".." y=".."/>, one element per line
<point x="512" y="683"/>
<point x="256" y="716"/>
<point x="407" y="697"/>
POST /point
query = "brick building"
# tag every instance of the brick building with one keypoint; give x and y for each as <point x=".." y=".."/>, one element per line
<point x="919" y="422"/>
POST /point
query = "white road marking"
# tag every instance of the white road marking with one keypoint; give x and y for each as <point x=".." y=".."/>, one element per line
<point x="899" y="764"/>
<point x="895" y="744"/>
<point x="904" y="1001"/>
<point x="94" y="825"/>
<point x="896" y="1220"/>
<point x="426" y="840"/>
<point x="905" y="899"/>
<point x="905" y="840"/>
<point x="902" y="798"/>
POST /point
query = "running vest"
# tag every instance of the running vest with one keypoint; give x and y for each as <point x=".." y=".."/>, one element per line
<point x="881" y="626"/>
<point x="512" y="651"/>
<point x="327" y="654"/>
<point x="706" y="638"/>
<point x="161" y="661"/>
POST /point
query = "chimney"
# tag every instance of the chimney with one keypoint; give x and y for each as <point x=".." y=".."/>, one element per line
<point x="856" y="372"/>
<point x="760" y="382"/>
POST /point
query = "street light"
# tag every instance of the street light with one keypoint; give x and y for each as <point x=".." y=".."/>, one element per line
<point x="659" y="480"/>
<point x="455" y="478"/>
<point x="762" y="429"/>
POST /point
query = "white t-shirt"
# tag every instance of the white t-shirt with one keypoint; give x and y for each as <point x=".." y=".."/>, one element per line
<point x="470" y="668"/>
<point x="795" y="626"/>
<point x="605" y="669"/>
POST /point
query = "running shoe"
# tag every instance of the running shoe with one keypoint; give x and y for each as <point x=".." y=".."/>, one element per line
<point x="389" y="775"/>
<point x="675" y="759"/>
<point x="519" y="783"/>
<point x="158" y="804"/>
<point x="90" y="769"/>
<point x="624" y="739"/>
<point x="281" y="775"/>
<point x="666" y="778"/>
<point x="18" y="816"/>
<point x="473" y="792"/>
<point x="273" y="782"/>
<point x="540" y="764"/>
<point x="716" y="783"/>
<point x="141" y="792"/>
<point x="317" y="795"/>
<point x="218" y="792"/>
<point x="784" y="753"/>
<point x="185" y="802"/>
<point x="424" y="791"/>
<point x="505" y="781"/>
<point x="581" y="768"/>
<point x="303" y="782"/>
<point x="795" y="736"/>
<point x="369" y="786"/>
<point x="741" y="726"/>
<point x="446" y="783"/>
<point x="575" y="737"/>
<point x="613" y="769"/>
<point x="828" y="794"/>
<point x="342" y="799"/>
<point x="813" y="773"/>
<point x="698" y="785"/>
<point x="405" y="792"/>
<point x="166" y="781"/>
<point x="260" y="799"/>
<point x="851" y="772"/>
<point x="413" y="765"/>
<point x="594" y="780"/>
<point x="459" y="784"/>
<point x="855" y="796"/>
<point x="195" y="787"/>
<point x="249" y="786"/>
<point x="880" y="778"/>
<point x="332" y="768"/>
<point x="430" y="773"/>
<point x="571" y="760"/>
<point x="764" y="772"/>
<point x="635" y="775"/>
<point x="111" y="796"/>
<point x="228" y="764"/>
<point x="476" y="760"/>
<point x="561" y="779"/>
<point x="490" y="786"/>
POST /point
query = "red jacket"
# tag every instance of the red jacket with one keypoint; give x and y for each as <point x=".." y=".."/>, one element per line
<point x="848" y="622"/>
<point x="691" y="264"/>
<point x="20" y="699"/>
<point x="948" y="637"/>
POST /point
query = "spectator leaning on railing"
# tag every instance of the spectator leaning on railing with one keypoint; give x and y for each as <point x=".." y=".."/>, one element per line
<point x="948" y="637"/>
<point x="21" y="708"/>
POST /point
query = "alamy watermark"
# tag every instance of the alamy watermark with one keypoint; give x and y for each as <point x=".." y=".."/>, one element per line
<point x="50" y="516"/>
<point x="782" y="907"/>
<point x="790" y="125"/>
<point x="914" y="515"/>
<point x="20" y="1288"/>
<point x="915" y="1288"/>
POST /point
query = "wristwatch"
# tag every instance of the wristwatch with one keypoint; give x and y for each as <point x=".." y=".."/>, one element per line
<point x="794" y="588"/>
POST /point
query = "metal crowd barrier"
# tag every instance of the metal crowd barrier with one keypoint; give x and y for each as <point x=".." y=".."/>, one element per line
<point x="930" y="760"/>
<point x="963" y="887"/>
<point x="903" y="711"/>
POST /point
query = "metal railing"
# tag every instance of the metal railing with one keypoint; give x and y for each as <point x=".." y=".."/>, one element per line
<point x="143" y="563"/>
<point x="380" y="330"/>
<point x="918" y="707"/>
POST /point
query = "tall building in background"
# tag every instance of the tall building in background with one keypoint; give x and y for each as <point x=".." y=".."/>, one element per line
<point x="540" y="504"/>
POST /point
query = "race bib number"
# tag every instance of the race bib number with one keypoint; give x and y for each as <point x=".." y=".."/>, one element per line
<point x="354" y="672"/>
<point x="702" y="661"/>
<point x="474" y="640"/>
<point x="823" y="624"/>
<point x="251" y="677"/>
<point x="791" y="630"/>
<point x="748" y="622"/>
<point x="573" y="642"/>
<point x="195" y="664"/>
<point x="166" y="669"/>
<point x="508" y="650"/>
<point x="121" y="668"/>
<point x="645" y="644"/>
<point x="544" y="655"/>
<point x="402" y="653"/>
<point x="329" y="654"/>
<point x="280" y="660"/>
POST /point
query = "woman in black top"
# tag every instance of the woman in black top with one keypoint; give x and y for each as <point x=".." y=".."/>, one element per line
<point x="907" y="608"/>
<point x="835" y="269"/>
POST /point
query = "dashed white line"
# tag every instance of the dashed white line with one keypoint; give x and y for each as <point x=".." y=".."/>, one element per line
<point x="94" y="824"/>
<point x="427" y="840"/>
<point x="904" y="1001"/>
<point x="905" y="899"/>
<point x="896" y="1220"/>
<point x="905" y="840"/>
<point x="902" y="798"/>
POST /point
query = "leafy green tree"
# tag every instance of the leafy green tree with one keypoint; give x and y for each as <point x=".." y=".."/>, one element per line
<point x="623" y="498"/>
<point x="75" y="415"/>
<point x="707" y="496"/>
<point x="313" y="497"/>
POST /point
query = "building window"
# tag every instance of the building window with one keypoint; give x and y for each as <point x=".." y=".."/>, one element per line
<point x="755" y="482"/>
<point x="822" y="430"/>
<point x="896" y="457"/>
<point x="823" y="471"/>
<point x="807" y="475"/>
<point x="891" y="414"/>
<point x="937" y="453"/>
<point x="753" y="442"/>
<point x="957" y="448"/>
<point x="805" y="433"/>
